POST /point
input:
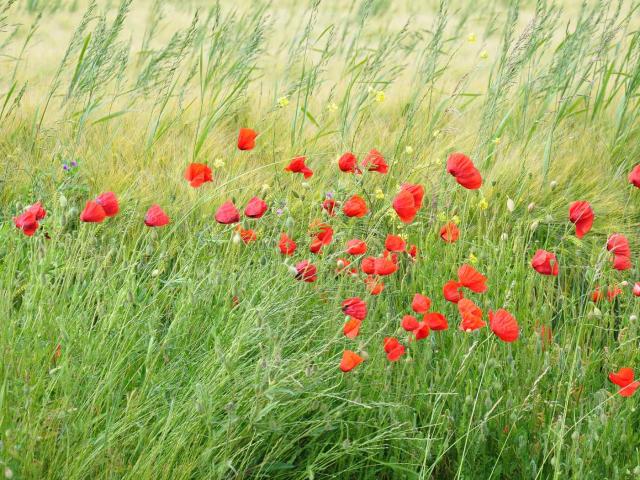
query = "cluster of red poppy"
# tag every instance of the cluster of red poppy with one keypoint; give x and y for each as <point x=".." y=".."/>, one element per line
<point x="406" y="204"/>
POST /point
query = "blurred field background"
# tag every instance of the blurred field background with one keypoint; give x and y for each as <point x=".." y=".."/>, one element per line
<point x="160" y="375"/>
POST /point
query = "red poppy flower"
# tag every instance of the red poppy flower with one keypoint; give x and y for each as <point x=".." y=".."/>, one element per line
<point x="351" y="329"/>
<point x="393" y="348"/>
<point x="404" y="204"/>
<point x="349" y="163"/>
<point x="384" y="266"/>
<point x="545" y="263"/>
<point x="422" y="331"/>
<point x="315" y="246"/>
<point x="394" y="243"/>
<point x="255" y="208"/>
<point x="503" y="325"/>
<point x="323" y="237"/>
<point x="28" y="220"/>
<point x="471" y="315"/>
<point x="329" y="206"/>
<point x="416" y="190"/>
<point x="636" y="289"/>
<point x="247" y="139"/>
<point x="375" y="162"/>
<point x="622" y="377"/>
<point x="247" y="236"/>
<point x="356" y="247"/>
<point x="297" y="165"/>
<point x="597" y="295"/>
<point x="619" y="246"/>
<point x="410" y="323"/>
<point x="612" y="292"/>
<point x="227" y="213"/>
<point x="306" y="271"/>
<point x="109" y="203"/>
<point x="470" y="278"/>
<point x="390" y="256"/>
<point x="368" y="265"/>
<point x="412" y="251"/>
<point x="621" y="263"/>
<point x="155" y="217"/>
<point x="634" y="176"/>
<point x="355" y="307"/>
<point x="435" y="321"/>
<point x="350" y="360"/>
<point x="197" y="174"/>
<point x="322" y="232"/>
<point x="629" y="390"/>
<point x="581" y="214"/>
<point x="374" y="285"/>
<point x="450" y="233"/>
<point x="27" y="223"/>
<point x="287" y="245"/>
<point x="37" y="210"/>
<point x="420" y="303"/>
<point x="452" y="291"/>
<point x="355" y="207"/>
<point x="464" y="171"/>
<point x="93" y="213"/>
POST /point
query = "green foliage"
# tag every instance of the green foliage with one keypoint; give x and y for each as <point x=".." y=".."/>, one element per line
<point x="180" y="353"/>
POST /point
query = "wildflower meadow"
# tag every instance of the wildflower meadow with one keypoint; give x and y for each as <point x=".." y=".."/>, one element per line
<point x="319" y="239"/>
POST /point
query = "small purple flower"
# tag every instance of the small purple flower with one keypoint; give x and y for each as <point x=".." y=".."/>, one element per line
<point x="329" y="195"/>
<point x="74" y="164"/>
<point x="279" y="211"/>
<point x="65" y="167"/>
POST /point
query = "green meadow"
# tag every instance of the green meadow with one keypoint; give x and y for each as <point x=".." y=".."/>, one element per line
<point x="182" y="352"/>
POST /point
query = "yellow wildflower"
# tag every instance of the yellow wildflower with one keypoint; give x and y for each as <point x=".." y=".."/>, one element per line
<point x="283" y="102"/>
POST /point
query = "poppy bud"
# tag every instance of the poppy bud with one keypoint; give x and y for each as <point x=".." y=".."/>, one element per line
<point x="511" y="205"/>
